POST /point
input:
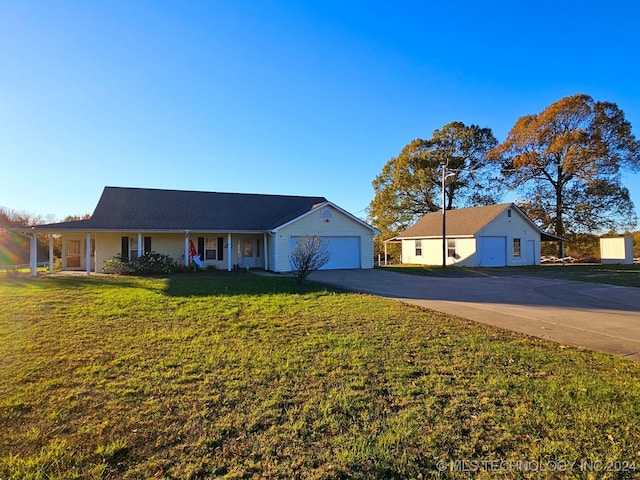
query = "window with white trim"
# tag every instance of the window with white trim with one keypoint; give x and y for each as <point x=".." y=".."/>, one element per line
<point x="210" y="248"/>
<point x="517" y="247"/>
<point x="133" y="248"/>
<point x="418" y="248"/>
<point x="451" y="247"/>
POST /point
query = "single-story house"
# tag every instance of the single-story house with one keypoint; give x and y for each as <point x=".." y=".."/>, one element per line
<point x="491" y="236"/>
<point x="227" y="229"/>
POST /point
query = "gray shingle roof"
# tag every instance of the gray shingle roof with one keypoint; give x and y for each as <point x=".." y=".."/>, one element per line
<point x="465" y="222"/>
<point x="152" y="209"/>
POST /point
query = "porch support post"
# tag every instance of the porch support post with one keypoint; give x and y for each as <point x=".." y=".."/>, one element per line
<point x="139" y="245"/>
<point x="88" y="254"/>
<point x="51" y="253"/>
<point x="264" y="252"/>
<point x="186" y="248"/>
<point x="275" y="252"/>
<point x="229" y="252"/>
<point x="33" y="255"/>
<point x="385" y="254"/>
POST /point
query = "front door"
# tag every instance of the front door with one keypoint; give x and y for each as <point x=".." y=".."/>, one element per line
<point x="247" y="252"/>
<point x="531" y="252"/>
<point x="74" y="254"/>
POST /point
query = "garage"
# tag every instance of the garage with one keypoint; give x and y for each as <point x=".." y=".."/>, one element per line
<point x="493" y="251"/>
<point x="488" y="236"/>
<point x="344" y="251"/>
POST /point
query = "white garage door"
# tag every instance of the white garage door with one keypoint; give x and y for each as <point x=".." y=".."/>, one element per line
<point x="344" y="251"/>
<point x="493" y="251"/>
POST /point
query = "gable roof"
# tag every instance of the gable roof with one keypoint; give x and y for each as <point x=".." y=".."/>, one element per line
<point x="465" y="222"/>
<point x="336" y="207"/>
<point x="137" y="209"/>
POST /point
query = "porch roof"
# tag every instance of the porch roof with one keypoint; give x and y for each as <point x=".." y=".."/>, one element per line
<point x="135" y="209"/>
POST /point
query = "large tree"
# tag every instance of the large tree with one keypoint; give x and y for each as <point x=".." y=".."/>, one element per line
<point x="567" y="162"/>
<point x="410" y="184"/>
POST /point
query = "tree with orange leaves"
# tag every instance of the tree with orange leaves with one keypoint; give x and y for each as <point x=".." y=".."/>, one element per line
<point x="567" y="161"/>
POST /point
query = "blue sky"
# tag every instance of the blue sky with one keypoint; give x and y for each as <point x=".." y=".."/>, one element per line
<point x="285" y="97"/>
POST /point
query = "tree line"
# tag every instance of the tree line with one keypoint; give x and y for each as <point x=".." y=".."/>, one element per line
<point x="15" y="245"/>
<point x="565" y="164"/>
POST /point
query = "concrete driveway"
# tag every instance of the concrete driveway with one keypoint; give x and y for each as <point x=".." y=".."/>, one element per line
<point x="590" y="315"/>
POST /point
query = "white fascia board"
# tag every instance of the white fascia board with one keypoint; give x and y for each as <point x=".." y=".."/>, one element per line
<point x="392" y="240"/>
<point x="142" y="230"/>
<point x="538" y="229"/>
<point x="325" y="204"/>
<point x="423" y="237"/>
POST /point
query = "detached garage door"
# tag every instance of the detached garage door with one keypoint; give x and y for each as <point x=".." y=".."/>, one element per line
<point x="344" y="251"/>
<point x="493" y="251"/>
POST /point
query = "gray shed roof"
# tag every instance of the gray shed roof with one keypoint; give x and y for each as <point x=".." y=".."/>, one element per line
<point x="464" y="222"/>
<point x="136" y="209"/>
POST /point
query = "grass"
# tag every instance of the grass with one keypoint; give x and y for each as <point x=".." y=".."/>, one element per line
<point x="622" y="275"/>
<point x="230" y="375"/>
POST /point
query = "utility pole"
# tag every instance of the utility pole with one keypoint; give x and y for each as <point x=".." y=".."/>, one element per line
<point x="445" y="175"/>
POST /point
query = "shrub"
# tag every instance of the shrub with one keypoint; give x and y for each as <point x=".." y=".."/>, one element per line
<point x="117" y="265"/>
<point x="151" y="263"/>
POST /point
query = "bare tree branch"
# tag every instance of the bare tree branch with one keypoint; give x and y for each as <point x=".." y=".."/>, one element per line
<point x="309" y="254"/>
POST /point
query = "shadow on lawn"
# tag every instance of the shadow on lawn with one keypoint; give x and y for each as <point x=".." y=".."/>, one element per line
<point x="71" y="282"/>
<point x="237" y="282"/>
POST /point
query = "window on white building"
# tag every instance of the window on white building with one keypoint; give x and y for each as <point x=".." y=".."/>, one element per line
<point x="451" y="247"/>
<point x="210" y="248"/>
<point x="133" y="248"/>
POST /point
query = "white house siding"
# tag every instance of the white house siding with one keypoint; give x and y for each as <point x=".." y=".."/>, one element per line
<point x="312" y="224"/>
<point x="109" y="244"/>
<point x="432" y="252"/>
<point x="513" y="227"/>
<point x="172" y="244"/>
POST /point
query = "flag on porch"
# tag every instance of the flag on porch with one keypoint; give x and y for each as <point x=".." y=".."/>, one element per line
<point x="193" y="254"/>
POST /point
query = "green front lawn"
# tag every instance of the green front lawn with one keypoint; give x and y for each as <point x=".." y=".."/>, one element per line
<point x="231" y="375"/>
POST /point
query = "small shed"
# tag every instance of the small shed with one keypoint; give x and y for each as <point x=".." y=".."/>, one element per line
<point x="617" y="250"/>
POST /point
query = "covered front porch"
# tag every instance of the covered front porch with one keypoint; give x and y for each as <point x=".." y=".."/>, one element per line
<point x="87" y="251"/>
